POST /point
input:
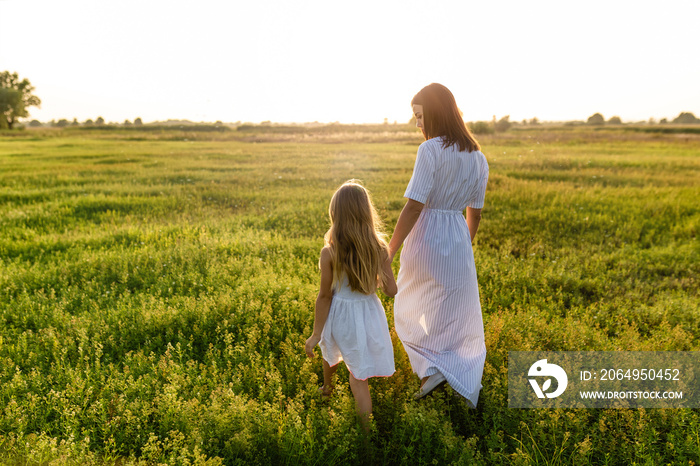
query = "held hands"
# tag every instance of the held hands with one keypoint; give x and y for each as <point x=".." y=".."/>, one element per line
<point x="392" y="253"/>
<point x="311" y="344"/>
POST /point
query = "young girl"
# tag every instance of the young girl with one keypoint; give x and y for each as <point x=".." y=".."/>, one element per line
<point x="350" y="324"/>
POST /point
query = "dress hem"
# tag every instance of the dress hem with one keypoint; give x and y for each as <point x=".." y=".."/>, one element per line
<point x="368" y="377"/>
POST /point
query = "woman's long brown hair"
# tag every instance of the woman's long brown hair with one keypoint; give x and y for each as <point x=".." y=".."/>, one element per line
<point x="357" y="243"/>
<point x="441" y="117"/>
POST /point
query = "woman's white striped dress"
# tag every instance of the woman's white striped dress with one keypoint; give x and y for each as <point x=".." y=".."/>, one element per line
<point x="437" y="312"/>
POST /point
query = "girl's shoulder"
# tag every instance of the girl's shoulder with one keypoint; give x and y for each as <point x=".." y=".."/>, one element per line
<point x="326" y="259"/>
<point x="326" y="253"/>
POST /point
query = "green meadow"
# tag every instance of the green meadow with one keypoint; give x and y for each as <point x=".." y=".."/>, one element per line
<point x="157" y="287"/>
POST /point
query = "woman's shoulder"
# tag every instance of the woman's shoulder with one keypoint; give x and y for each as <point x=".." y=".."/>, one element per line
<point x="436" y="147"/>
<point x="431" y="146"/>
<point x="432" y="142"/>
<point x="476" y="154"/>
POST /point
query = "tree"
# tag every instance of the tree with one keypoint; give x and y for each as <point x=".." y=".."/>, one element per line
<point x="138" y="122"/>
<point x="100" y="121"/>
<point x="15" y="98"/>
<point x="35" y="123"/>
<point x="686" y="118"/>
<point x="62" y="123"/>
<point x="615" y="120"/>
<point x="88" y="122"/>
<point x="502" y="125"/>
<point x="596" y="119"/>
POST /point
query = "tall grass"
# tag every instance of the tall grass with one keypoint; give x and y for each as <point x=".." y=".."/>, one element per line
<point x="156" y="289"/>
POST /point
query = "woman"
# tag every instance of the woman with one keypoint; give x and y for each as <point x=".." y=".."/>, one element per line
<point x="437" y="311"/>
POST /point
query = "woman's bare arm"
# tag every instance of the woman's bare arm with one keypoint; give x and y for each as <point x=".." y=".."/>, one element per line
<point x="407" y="219"/>
<point x="473" y="219"/>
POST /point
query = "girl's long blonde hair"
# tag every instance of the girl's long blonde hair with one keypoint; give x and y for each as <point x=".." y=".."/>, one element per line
<point x="356" y="238"/>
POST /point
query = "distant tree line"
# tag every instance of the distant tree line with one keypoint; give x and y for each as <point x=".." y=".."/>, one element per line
<point x="685" y="118"/>
<point x="16" y="96"/>
<point x="99" y="121"/>
<point x="496" y="125"/>
<point x="504" y="124"/>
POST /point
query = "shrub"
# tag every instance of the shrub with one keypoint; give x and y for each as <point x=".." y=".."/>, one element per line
<point x="502" y="125"/>
<point x="481" y="127"/>
<point x="596" y="119"/>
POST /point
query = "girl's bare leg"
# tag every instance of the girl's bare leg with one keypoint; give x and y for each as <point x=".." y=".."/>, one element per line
<point x="328" y="373"/>
<point x="363" y="400"/>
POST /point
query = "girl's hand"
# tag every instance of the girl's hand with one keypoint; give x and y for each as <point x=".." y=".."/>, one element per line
<point x="311" y="344"/>
<point x="389" y="282"/>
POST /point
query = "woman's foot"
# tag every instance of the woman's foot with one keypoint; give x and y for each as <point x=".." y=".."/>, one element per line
<point x="430" y="384"/>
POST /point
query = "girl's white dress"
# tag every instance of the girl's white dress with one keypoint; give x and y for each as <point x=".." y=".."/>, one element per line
<point x="357" y="332"/>
<point x="437" y="312"/>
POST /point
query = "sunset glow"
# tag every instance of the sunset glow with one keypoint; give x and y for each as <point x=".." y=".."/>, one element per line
<point x="359" y="61"/>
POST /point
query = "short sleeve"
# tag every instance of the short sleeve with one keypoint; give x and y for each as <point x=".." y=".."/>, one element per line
<point x="423" y="173"/>
<point x="477" y="201"/>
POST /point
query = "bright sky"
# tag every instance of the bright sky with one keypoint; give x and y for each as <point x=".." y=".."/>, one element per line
<point x="353" y="61"/>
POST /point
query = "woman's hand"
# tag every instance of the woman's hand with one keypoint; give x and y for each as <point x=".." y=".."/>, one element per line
<point x="311" y="343"/>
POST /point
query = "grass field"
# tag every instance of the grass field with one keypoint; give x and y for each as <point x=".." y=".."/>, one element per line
<point x="156" y="289"/>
